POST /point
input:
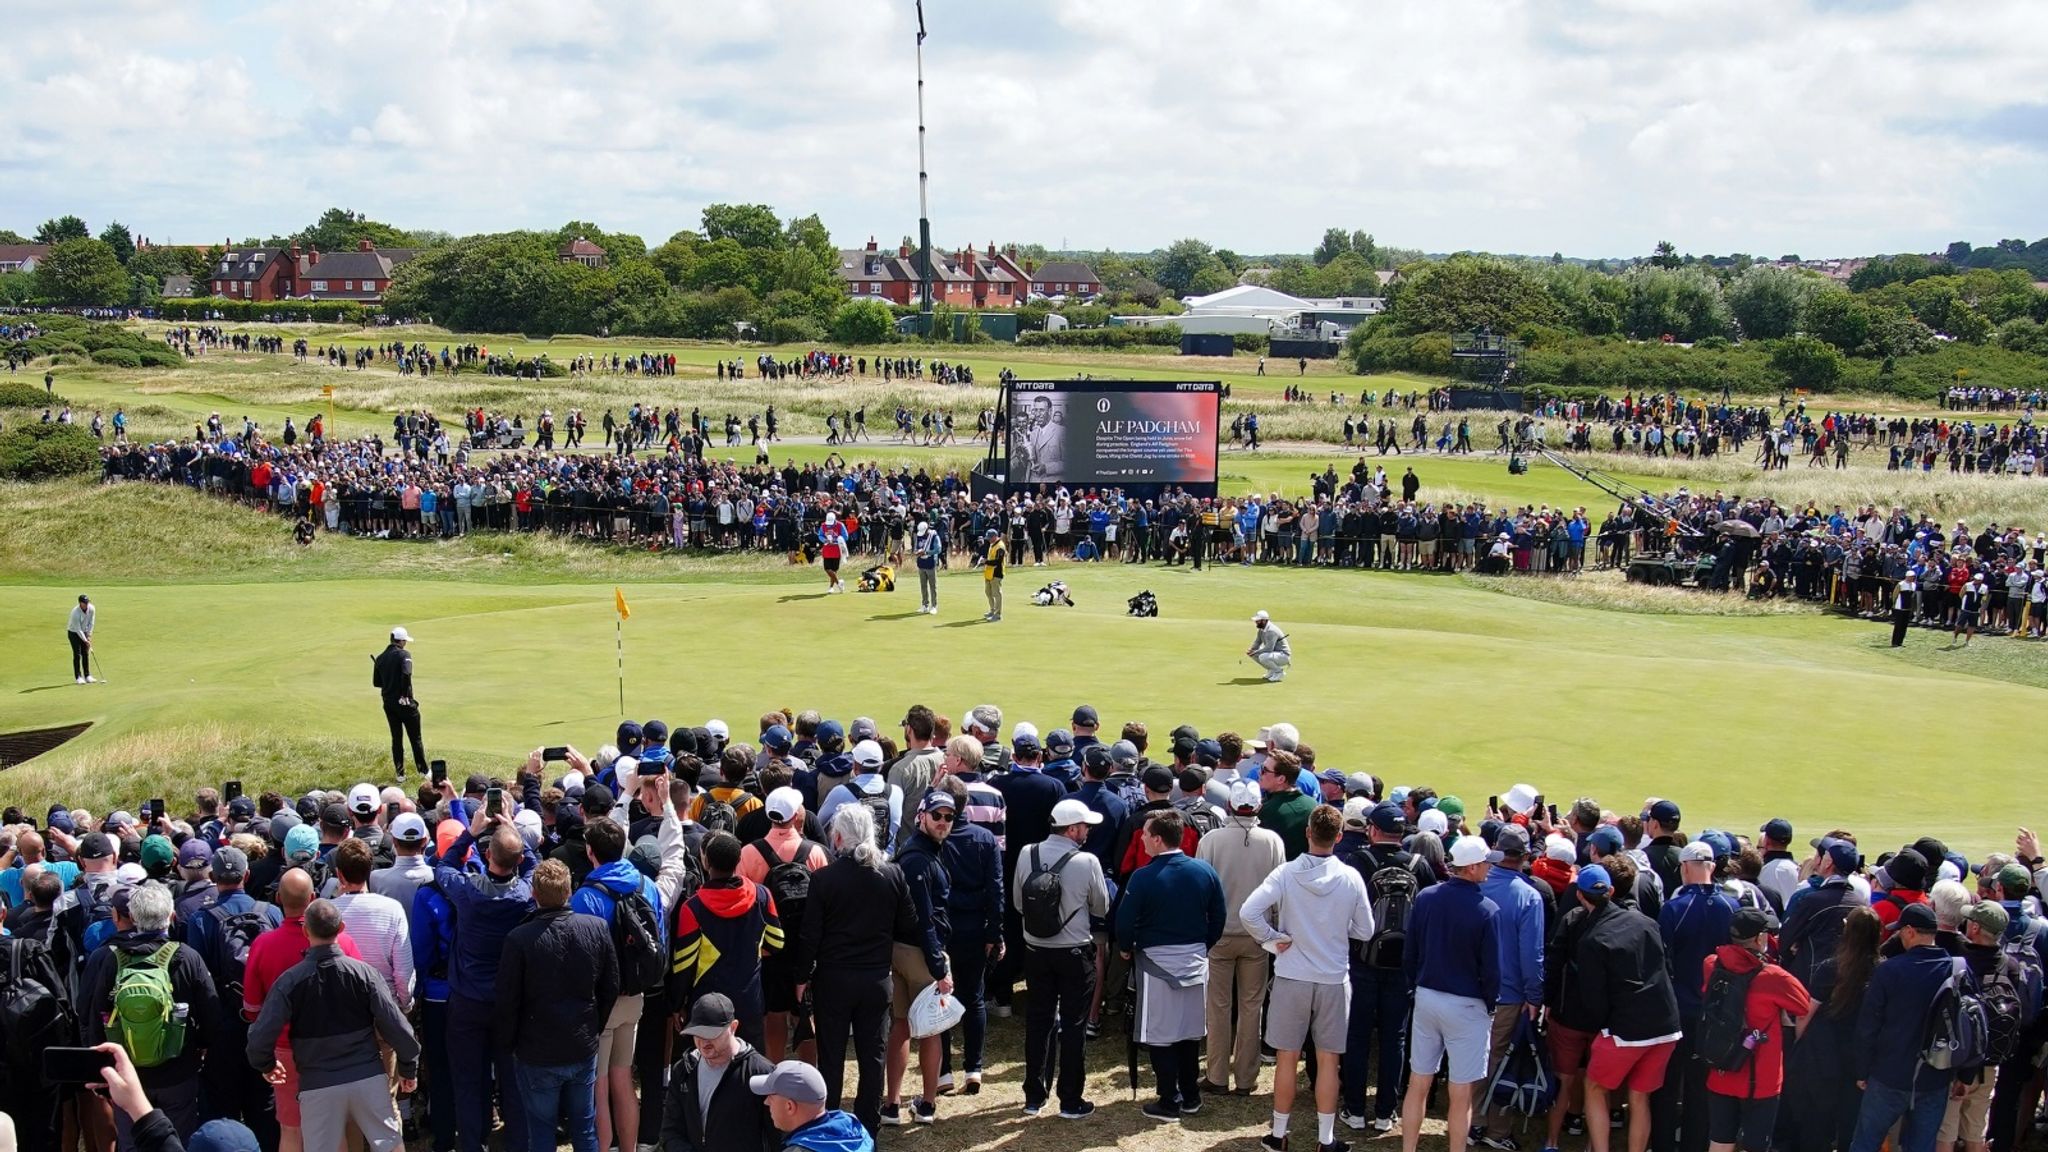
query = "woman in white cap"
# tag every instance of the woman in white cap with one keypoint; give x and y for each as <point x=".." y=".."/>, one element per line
<point x="1269" y="647"/>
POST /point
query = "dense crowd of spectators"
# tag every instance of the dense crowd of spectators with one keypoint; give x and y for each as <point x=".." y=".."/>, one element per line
<point x="683" y="940"/>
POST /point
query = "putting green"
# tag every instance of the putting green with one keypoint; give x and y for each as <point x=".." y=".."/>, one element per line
<point x="1416" y="679"/>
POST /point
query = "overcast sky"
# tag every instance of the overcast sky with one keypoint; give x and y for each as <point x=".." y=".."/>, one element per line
<point x="1825" y="127"/>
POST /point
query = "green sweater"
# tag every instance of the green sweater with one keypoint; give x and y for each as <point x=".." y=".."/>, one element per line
<point x="1286" y="813"/>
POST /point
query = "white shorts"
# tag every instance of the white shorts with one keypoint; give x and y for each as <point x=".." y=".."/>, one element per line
<point x="1458" y="1025"/>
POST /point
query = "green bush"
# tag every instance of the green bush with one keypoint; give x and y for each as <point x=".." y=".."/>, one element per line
<point x="1255" y="342"/>
<point x="1165" y="336"/>
<point x="791" y="330"/>
<point x="118" y="357"/>
<point x="22" y="394"/>
<point x="161" y="357"/>
<point x="47" y="451"/>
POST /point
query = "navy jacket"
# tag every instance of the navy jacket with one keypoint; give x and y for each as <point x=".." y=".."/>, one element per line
<point x="1892" y="1028"/>
<point x="974" y="902"/>
<point x="1693" y="924"/>
<point x="1452" y="944"/>
<point x="929" y="887"/>
<point x="486" y="912"/>
<point x="1173" y="899"/>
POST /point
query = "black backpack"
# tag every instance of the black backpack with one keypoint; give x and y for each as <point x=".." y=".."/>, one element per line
<point x="636" y="937"/>
<point x="789" y="881"/>
<point x="1200" y="815"/>
<point x="234" y="932"/>
<point x="1723" y="1037"/>
<point x="35" y="1014"/>
<point x="2005" y="1010"/>
<point x="1041" y="895"/>
<point x="877" y="804"/>
<point x="1394" y="888"/>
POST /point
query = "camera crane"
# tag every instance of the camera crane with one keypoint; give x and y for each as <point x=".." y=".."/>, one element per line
<point x="1628" y="494"/>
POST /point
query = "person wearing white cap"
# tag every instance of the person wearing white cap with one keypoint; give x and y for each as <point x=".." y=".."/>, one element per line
<point x="1058" y="889"/>
<point x="401" y="879"/>
<point x="391" y="675"/>
<point x="832" y="546"/>
<point x="768" y="862"/>
<point x="1269" y="647"/>
<point x="929" y="551"/>
<point x="1243" y="855"/>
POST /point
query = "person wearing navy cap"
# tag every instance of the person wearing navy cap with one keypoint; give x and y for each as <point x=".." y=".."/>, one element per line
<point x="1693" y="923"/>
<point x="1084" y="722"/>
<point x="1780" y="875"/>
<point x="1899" y="1085"/>
<point x="1660" y="828"/>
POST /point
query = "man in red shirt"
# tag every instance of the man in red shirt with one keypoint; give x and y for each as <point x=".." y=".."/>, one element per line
<point x="271" y="955"/>
<point x="1742" y="1103"/>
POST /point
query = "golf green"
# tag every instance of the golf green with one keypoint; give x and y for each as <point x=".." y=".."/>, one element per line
<point x="1416" y="679"/>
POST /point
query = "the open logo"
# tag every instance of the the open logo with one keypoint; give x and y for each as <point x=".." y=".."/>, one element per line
<point x="1102" y="405"/>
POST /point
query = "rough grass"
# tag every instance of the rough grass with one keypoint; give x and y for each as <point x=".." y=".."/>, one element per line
<point x="1610" y="591"/>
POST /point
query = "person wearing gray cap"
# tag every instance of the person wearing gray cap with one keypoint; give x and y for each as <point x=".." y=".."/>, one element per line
<point x="711" y="1106"/>
<point x="796" y="1102"/>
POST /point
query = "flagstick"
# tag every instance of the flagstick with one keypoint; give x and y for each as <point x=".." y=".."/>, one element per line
<point x="619" y="634"/>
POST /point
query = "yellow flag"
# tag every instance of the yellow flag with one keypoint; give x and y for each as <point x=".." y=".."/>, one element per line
<point x="619" y="598"/>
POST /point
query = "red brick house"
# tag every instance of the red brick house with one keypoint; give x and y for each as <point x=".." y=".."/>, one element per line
<point x="361" y="275"/>
<point x="963" y="279"/>
<point x="251" y="274"/>
<point x="581" y="251"/>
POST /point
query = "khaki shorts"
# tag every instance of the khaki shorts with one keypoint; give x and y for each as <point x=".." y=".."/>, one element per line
<point x="908" y="976"/>
<point x="621" y="1034"/>
<point x="1968" y="1118"/>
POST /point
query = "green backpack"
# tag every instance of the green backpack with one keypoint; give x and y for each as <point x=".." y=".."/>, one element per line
<point x="145" y="1018"/>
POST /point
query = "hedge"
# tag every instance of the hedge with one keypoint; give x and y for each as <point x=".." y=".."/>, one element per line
<point x="295" y="311"/>
<point x="22" y="394"/>
<point x="1122" y="336"/>
<point x="118" y="357"/>
<point x="47" y="451"/>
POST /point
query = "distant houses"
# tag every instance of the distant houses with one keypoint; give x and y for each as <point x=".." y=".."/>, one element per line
<point x="584" y="252"/>
<point x="21" y="257"/>
<point x="965" y="278"/>
<point x="269" y="273"/>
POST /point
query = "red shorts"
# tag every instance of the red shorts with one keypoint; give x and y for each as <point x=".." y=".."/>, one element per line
<point x="1639" y="1069"/>
<point x="287" y="1093"/>
<point x="1568" y="1048"/>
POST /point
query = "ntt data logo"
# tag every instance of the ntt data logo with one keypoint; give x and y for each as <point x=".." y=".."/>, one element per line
<point x="1102" y="405"/>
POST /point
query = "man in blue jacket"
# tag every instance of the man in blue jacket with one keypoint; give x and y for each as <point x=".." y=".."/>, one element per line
<point x="1891" y="1034"/>
<point x="975" y="909"/>
<point x="1694" y="922"/>
<point x="486" y="906"/>
<point x="1519" y="928"/>
<point x="1452" y="958"/>
<point x="1171" y="915"/>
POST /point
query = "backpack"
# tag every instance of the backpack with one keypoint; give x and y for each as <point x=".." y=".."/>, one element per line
<point x="636" y="937"/>
<point x="34" y="1013"/>
<point x="1723" y="1037"/>
<point x="1200" y="815"/>
<point x="1958" y="1031"/>
<point x="2032" y="976"/>
<point x="789" y="881"/>
<point x="877" y="804"/>
<point x="1524" y="1084"/>
<point x="235" y="932"/>
<point x="1394" y="888"/>
<point x="92" y="920"/>
<point x="1041" y="896"/>
<point x="146" y="1020"/>
<point x="717" y="816"/>
<point x="2005" y="1013"/>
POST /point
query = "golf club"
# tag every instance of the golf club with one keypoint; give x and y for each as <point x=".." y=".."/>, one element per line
<point x="99" y="668"/>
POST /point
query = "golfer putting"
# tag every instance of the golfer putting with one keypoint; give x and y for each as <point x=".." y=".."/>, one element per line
<point x="1269" y="647"/>
<point x="79" y="631"/>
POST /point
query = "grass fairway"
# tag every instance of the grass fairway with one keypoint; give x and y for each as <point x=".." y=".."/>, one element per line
<point x="1413" y="678"/>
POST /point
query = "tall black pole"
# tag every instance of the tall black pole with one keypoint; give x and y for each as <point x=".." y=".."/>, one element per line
<point x="924" y="220"/>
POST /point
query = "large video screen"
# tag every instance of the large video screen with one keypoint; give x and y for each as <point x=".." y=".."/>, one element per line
<point x="1113" y="433"/>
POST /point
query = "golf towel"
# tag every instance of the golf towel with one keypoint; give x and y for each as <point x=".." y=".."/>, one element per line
<point x="1173" y="982"/>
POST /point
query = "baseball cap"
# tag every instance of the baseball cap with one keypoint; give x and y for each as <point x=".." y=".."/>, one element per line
<point x="1560" y="849"/>
<point x="1331" y="776"/>
<point x="1433" y="821"/>
<point x="1842" y="854"/>
<point x="195" y="853"/>
<point x="1096" y="756"/>
<point x="282" y="823"/>
<point x="936" y="799"/>
<point x="1388" y="817"/>
<point x="1068" y="813"/>
<point x="829" y="730"/>
<point x="1697" y="852"/>
<point x="1988" y="915"/>
<point x="1607" y="838"/>
<point x="1085" y="714"/>
<point x="654" y="732"/>
<point x="791" y="1080"/>
<point x="401" y="634"/>
<point x="409" y="828"/>
<point x="222" y="1136"/>
<point x="1208" y="753"/>
<point x="1512" y="841"/>
<point x="1467" y="851"/>
<point x="334" y="816"/>
<point x="629" y="735"/>
<point x="654" y="761"/>
<point x="1244" y="795"/>
<point x="1124" y="752"/>
<point x="2014" y="878"/>
<point x="1060" y="741"/>
<point x="1722" y="843"/>
<point x="362" y="799"/>
<point x="867" y="754"/>
<point x="1917" y="916"/>
<point x="1595" y="880"/>
<point x="784" y="804"/>
<point x="776" y="737"/>
<point x="157" y="853"/>
<point x="1747" y="924"/>
<point x="1778" y="829"/>
<point x="1158" y="778"/>
<point x="301" y="841"/>
<point x="1451" y="806"/>
<point x="229" y="865"/>
<point x="1260" y="617"/>
<point x="711" y="1016"/>
<point x="862" y="728"/>
<point x="1359" y="784"/>
<point x="1023" y="728"/>
<point x="1357" y="813"/>
<point x="717" y="728"/>
<point x="1665" y="812"/>
<point x="95" y="846"/>
<point x="476" y="784"/>
<point x="241" y="808"/>
<point x="1026" y="742"/>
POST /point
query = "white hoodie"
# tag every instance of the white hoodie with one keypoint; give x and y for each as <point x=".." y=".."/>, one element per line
<point x="1319" y="903"/>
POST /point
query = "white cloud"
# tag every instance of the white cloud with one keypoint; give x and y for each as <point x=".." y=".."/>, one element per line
<point x="1525" y="125"/>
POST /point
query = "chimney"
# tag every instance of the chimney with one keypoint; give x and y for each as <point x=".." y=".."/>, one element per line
<point x="903" y="251"/>
<point x="364" y="245"/>
<point x="871" y="243"/>
<point x="313" y="258"/>
<point x="991" y="249"/>
<point x="294" y="253"/>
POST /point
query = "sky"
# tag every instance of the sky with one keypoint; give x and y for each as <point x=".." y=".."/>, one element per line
<point x="1591" y="127"/>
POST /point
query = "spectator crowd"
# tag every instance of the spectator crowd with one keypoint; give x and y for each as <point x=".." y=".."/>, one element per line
<point x="684" y="940"/>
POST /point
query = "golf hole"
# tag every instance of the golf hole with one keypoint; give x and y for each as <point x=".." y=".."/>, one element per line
<point x="26" y="745"/>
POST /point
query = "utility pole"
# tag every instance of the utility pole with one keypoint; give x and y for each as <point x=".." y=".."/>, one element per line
<point x="924" y="216"/>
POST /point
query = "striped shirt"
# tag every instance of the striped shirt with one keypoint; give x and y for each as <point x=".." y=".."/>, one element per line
<point x="986" y="807"/>
<point x="383" y="935"/>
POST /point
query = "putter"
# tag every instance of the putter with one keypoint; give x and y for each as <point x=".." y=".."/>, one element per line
<point x="98" y="667"/>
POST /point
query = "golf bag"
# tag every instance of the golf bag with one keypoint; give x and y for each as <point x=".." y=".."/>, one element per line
<point x="1144" y="604"/>
<point x="1523" y="1083"/>
<point x="1053" y="593"/>
<point x="880" y="578"/>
